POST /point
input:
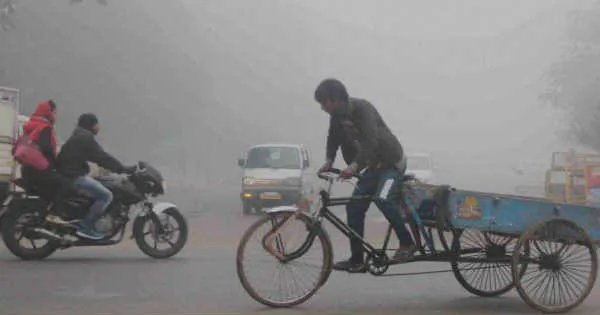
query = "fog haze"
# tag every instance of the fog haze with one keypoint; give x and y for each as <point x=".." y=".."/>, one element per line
<point x="188" y="85"/>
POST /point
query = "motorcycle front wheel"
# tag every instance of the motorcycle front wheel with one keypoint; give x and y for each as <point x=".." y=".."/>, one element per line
<point x="19" y="237"/>
<point x="173" y="231"/>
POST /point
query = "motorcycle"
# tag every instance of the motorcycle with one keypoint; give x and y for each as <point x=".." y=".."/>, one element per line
<point x="29" y="217"/>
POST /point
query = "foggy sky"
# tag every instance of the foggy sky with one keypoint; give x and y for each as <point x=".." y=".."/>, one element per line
<point x="188" y="85"/>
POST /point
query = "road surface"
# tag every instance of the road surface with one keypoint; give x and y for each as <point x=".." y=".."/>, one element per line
<point x="203" y="280"/>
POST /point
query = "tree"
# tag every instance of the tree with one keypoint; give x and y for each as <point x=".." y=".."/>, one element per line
<point x="575" y="79"/>
<point x="7" y="8"/>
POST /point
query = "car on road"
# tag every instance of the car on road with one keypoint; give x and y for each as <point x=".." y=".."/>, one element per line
<point x="421" y="166"/>
<point x="274" y="175"/>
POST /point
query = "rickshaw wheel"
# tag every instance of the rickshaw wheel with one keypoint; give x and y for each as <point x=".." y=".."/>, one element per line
<point x="485" y="270"/>
<point x="558" y="265"/>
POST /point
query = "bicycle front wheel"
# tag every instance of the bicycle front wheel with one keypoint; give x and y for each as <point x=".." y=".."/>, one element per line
<point x="283" y="259"/>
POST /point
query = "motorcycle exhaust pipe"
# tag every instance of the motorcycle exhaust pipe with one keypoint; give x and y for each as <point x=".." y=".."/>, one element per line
<point x="49" y="235"/>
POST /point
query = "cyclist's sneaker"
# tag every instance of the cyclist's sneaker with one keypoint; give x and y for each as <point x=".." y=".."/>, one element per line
<point x="405" y="253"/>
<point x="350" y="266"/>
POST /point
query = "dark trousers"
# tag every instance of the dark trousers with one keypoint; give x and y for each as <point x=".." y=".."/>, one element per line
<point x="51" y="185"/>
<point x="382" y="185"/>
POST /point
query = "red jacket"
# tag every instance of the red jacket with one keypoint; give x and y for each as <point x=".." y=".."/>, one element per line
<point x="40" y="128"/>
<point x="42" y="118"/>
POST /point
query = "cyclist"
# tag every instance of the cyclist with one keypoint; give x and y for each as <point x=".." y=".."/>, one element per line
<point x="376" y="151"/>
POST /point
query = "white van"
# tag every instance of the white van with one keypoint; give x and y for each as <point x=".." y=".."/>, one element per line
<point x="274" y="175"/>
<point x="421" y="166"/>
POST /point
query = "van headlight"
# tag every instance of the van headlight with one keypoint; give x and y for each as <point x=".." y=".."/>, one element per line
<point x="249" y="181"/>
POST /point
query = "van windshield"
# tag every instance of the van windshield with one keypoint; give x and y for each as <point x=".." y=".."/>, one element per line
<point x="273" y="157"/>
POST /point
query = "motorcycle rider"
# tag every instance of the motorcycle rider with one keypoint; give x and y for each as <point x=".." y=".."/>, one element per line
<point x="73" y="159"/>
<point x="50" y="184"/>
<point x="371" y="146"/>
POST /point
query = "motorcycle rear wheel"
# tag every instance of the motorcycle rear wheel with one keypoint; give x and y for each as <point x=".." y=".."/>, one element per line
<point x="13" y="232"/>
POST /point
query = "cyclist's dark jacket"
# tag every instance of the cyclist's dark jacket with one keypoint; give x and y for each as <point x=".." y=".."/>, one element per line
<point x="360" y="123"/>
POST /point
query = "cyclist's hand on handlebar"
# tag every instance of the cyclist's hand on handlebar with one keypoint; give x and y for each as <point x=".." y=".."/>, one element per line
<point x="326" y="167"/>
<point x="321" y="173"/>
<point x="347" y="173"/>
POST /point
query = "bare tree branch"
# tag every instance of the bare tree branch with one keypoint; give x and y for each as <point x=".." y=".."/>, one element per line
<point x="8" y="9"/>
<point x="574" y="81"/>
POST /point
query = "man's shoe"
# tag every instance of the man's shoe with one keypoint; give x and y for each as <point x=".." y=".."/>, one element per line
<point x="405" y="253"/>
<point x="86" y="232"/>
<point x="350" y="266"/>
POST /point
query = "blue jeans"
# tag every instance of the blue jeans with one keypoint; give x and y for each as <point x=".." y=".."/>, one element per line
<point x="382" y="185"/>
<point x="102" y="197"/>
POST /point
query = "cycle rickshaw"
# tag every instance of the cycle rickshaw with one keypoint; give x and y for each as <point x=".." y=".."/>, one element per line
<point x="493" y="242"/>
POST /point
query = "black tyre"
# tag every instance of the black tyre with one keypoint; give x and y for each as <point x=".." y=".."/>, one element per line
<point x="246" y="207"/>
<point x="564" y="264"/>
<point x="144" y="227"/>
<point x="17" y="231"/>
<point x="483" y="262"/>
<point x="291" y="250"/>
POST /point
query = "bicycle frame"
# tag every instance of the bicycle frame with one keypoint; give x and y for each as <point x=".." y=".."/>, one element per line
<point x="324" y="212"/>
<point x="343" y="227"/>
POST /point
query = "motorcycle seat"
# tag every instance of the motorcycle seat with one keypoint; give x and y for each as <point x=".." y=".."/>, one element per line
<point x="25" y="185"/>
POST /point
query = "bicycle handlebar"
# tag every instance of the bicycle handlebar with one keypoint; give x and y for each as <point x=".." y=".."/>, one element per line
<point x="334" y="171"/>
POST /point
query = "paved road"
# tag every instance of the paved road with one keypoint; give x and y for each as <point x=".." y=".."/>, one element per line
<point x="202" y="280"/>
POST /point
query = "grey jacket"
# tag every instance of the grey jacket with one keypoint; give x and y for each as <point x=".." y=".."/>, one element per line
<point x="360" y="125"/>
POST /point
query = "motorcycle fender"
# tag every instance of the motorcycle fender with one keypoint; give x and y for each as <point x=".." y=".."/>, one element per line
<point x="162" y="206"/>
<point x="4" y="206"/>
<point x="281" y="209"/>
<point x="157" y="209"/>
<point x="14" y="204"/>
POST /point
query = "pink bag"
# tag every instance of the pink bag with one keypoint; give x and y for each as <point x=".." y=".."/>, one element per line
<point x="28" y="153"/>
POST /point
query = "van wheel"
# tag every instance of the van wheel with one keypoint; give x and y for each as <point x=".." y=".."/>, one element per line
<point x="247" y="208"/>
